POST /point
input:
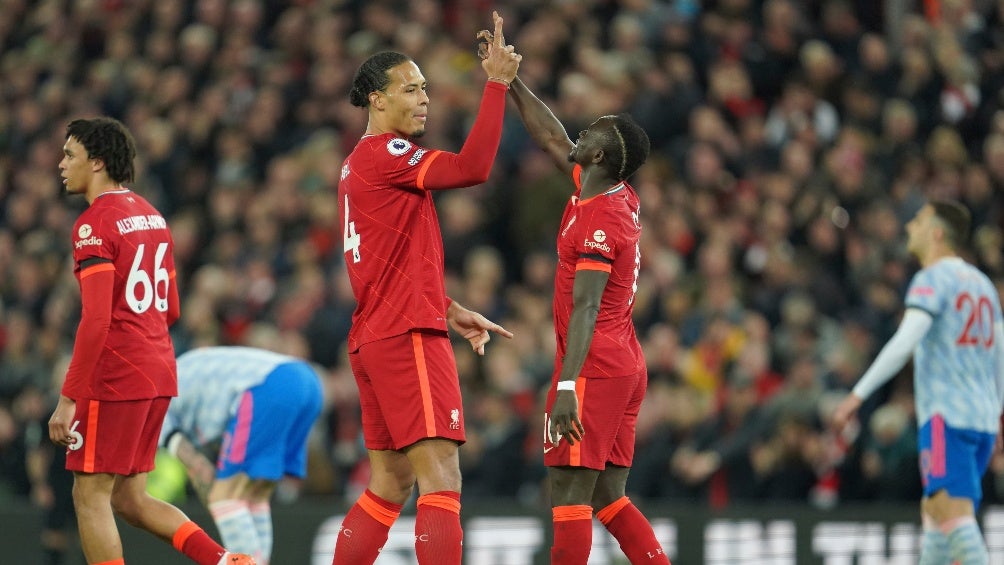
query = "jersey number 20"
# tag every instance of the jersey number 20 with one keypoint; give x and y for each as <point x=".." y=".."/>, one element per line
<point x="979" y="320"/>
<point x="142" y="291"/>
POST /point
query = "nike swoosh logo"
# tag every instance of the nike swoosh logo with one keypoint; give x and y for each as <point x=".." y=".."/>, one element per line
<point x="547" y="449"/>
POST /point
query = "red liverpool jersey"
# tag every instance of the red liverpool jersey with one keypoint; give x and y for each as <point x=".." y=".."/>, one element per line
<point x="601" y="233"/>
<point x="137" y="360"/>
<point x="391" y="239"/>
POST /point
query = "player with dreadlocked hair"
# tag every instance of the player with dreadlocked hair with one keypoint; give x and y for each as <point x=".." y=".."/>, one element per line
<point x="599" y="377"/>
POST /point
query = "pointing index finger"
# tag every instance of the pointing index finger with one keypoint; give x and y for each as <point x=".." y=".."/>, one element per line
<point x="502" y="331"/>
<point x="499" y="40"/>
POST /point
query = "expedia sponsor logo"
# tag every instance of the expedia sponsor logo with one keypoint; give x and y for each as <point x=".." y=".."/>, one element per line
<point x="597" y="245"/>
<point x="84" y="230"/>
<point x="345" y="171"/>
<point x="416" y="157"/>
<point x="599" y="236"/>
<point x="81" y="243"/>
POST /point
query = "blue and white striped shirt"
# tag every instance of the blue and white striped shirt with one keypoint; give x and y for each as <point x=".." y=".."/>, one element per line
<point x="956" y="363"/>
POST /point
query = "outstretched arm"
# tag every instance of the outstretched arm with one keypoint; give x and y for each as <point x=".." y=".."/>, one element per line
<point x="545" y="129"/>
<point x="445" y="170"/>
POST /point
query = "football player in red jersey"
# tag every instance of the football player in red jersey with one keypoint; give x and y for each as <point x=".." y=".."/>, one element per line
<point x="122" y="374"/>
<point x="399" y="348"/>
<point x="599" y="377"/>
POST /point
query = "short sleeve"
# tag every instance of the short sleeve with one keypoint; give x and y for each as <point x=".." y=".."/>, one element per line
<point x="93" y="238"/>
<point x="923" y="294"/>
<point x="601" y="235"/>
<point x="403" y="163"/>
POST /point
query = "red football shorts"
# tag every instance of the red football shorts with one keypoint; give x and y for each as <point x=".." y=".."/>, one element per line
<point x="116" y="437"/>
<point x="608" y="410"/>
<point x="409" y="390"/>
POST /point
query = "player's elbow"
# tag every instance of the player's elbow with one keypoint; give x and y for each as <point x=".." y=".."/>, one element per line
<point x="588" y="308"/>
<point x="172" y="315"/>
<point x="97" y="326"/>
<point x="476" y="171"/>
<point x="478" y="175"/>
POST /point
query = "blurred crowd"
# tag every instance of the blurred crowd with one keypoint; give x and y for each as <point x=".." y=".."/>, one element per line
<point x="791" y="141"/>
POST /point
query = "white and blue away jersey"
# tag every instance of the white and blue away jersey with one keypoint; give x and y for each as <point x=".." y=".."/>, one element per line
<point x="955" y="364"/>
<point x="211" y="381"/>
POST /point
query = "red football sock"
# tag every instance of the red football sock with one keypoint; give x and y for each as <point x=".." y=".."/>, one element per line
<point x="193" y="541"/>
<point x="633" y="532"/>
<point x="573" y="534"/>
<point x="438" y="536"/>
<point x="364" y="530"/>
<point x="119" y="561"/>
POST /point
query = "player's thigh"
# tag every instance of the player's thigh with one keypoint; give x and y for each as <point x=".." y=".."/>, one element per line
<point x="267" y="436"/>
<point x="309" y="400"/>
<point x="285" y="405"/>
<point x="953" y="460"/>
<point x="90" y="487"/>
<point x="253" y="440"/>
<point x="603" y="404"/>
<point x="571" y="485"/>
<point x="414" y="383"/>
<point x="622" y="451"/>
<point x="376" y="434"/>
<point x="117" y="437"/>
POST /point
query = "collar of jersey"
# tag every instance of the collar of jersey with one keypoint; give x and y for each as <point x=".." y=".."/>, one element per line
<point x="120" y="191"/>
<point x="615" y="188"/>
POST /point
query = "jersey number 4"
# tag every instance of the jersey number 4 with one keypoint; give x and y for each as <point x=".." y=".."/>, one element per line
<point x="979" y="329"/>
<point x="142" y="290"/>
<point x="350" y="239"/>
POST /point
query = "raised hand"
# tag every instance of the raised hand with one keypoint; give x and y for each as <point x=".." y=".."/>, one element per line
<point x="499" y="60"/>
<point x="485" y="39"/>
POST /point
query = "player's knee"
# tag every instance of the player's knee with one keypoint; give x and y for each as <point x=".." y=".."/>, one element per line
<point x="127" y="507"/>
<point x="395" y="486"/>
<point x="392" y="491"/>
<point x="439" y="478"/>
<point x="606" y="493"/>
<point x="83" y="500"/>
<point x="235" y="487"/>
<point x="603" y="498"/>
